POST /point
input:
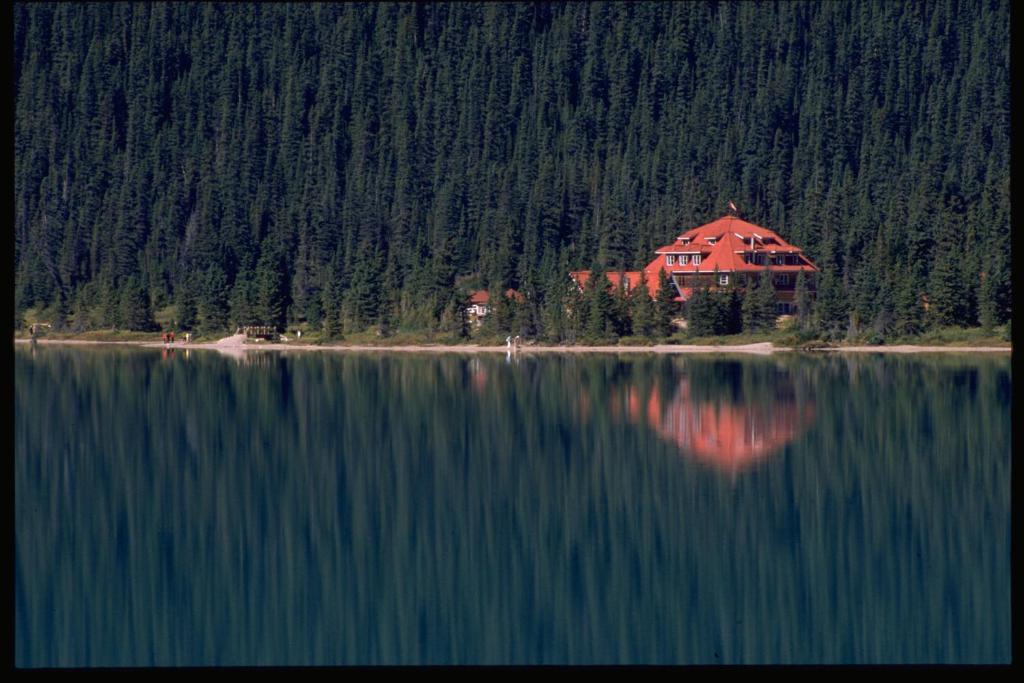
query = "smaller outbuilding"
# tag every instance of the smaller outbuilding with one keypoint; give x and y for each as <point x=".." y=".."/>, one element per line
<point x="478" y="304"/>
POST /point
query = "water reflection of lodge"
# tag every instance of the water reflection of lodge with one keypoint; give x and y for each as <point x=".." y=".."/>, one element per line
<point x="727" y="434"/>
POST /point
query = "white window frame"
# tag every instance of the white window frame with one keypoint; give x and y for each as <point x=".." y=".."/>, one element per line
<point x="696" y="259"/>
<point x="723" y="279"/>
<point x="683" y="259"/>
<point x="670" y="259"/>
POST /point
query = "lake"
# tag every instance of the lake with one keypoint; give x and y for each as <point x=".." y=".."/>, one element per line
<point x="192" y="509"/>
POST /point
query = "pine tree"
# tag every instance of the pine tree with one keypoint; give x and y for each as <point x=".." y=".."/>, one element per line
<point x="830" y="308"/>
<point x="136" y="312"/>
<point x="212" y="303"/>
<point x="242" y="301"/>
<point x="700" y="320"/>
<point x="187" y="312"/>
<point x="641" y="308"/>
<point x="759" y="304"/>
<point x="599" y="306"/>
<point x="272" y="297"/>
<point x="666" y="309"/>
<point x="500" y="317"/>
<point x="908" y="310"/>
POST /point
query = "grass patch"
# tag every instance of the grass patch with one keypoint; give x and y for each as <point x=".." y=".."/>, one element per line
<point x="370" y="337"/>
<point x="958" y="336"/>
<point x="637" y="341"/>
<point x="97" y="335"/>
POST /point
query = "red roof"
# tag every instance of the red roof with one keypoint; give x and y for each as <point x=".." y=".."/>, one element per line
<point x="722" y="243"/>
<point x="581" y="277"/>
<point x="481" y="296"/>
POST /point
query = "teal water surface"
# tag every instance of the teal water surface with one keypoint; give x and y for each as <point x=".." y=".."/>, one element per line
<point x="198" y="509"/>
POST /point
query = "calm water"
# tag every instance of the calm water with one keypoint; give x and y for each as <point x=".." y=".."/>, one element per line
<point x="353" y="509"/>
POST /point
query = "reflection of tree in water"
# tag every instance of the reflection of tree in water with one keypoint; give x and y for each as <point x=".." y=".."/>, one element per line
<point x="398" y="509"/>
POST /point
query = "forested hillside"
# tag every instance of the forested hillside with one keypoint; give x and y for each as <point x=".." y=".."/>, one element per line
<point x="345" y="165"/>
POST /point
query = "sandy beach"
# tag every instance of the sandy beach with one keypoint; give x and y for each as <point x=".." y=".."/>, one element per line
<point x="236" y="344"/>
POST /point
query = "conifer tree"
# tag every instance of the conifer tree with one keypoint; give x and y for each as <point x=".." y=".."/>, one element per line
<point x="187" y="313"/>
<point x="500" y="317"/>
<point x="759" y="304"/>
<point x="136" y="312"/>
<point x="212" y="304"/>
<point x="271" y="287"/>
<point x="908" y="310"/>
<point x="700" y="319"/>
<point x="830" y="308"/>
<point x="599" y="305"/>
<point x="641" y="308"/>
<point x="666" y="309"/>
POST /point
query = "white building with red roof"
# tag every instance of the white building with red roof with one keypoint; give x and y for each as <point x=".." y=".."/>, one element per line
<point x="726" y="252"/>
<point x="478" y="305"/>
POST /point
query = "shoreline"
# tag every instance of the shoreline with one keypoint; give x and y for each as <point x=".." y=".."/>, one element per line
<point x="761" y="348"/>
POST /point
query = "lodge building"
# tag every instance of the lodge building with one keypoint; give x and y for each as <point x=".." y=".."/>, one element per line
<point x="726" y="252"/>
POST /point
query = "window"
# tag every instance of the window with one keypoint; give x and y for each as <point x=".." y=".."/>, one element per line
<point x="683" y="258"/>
<point x="711" y="240"/>
<point x="782" y="279"/>
<point x="723" y="279"/>
<point x="696" y="259"/>
<point x="670" y="260"/>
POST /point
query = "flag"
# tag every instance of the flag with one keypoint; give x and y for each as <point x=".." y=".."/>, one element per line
<point x="733" y="207"/>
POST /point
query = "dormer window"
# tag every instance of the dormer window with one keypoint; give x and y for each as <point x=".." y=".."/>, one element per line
<point x="683" y="258"/>
<point x="712" y="240"/>
<point x="696" y="259"/>
<point x="670" y="260"/>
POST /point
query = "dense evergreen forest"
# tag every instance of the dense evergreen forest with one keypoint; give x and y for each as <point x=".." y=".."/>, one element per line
<point x="350" y="166"/>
